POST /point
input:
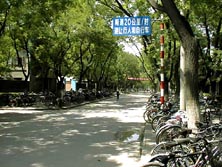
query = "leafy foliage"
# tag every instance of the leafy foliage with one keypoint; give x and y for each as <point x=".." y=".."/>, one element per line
<point x="73" y="38"/>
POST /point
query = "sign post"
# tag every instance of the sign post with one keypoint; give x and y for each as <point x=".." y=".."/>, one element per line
<point x="162" y="64"/>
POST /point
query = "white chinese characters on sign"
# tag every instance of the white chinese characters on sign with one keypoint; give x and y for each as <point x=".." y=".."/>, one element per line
<point x="131" y="30"/>
<point x="132" y="26"/>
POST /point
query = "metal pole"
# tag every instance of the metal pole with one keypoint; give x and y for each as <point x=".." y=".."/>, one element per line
<point x="162" y="64"/>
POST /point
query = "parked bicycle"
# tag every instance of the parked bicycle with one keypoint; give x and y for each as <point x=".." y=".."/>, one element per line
<point x="198" y="152"/>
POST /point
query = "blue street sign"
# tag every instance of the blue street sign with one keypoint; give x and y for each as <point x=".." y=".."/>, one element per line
<point x="131" y="26"/>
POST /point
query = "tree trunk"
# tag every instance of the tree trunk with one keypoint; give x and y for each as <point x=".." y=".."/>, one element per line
<point x="182" y="80"/>
<point x="191" y="53"/>
<point x="191" y="81"/>
<point x="176" y="71"/>
<point x="166" y="90"/>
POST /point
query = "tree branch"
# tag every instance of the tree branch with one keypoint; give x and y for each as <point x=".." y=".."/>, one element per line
<point x="113" y="7"/>
<point x="124" y="10"/>
<point x="155" y="5"/>
<point x="3" y="24"/>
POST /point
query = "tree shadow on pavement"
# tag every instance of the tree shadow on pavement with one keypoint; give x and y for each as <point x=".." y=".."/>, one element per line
<point x="95" y="137"/>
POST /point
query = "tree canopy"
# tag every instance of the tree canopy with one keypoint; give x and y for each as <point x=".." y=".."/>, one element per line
<point x="74" y="38"/>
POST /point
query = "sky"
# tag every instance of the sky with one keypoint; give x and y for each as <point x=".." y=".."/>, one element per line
<point x="131" y="46"/>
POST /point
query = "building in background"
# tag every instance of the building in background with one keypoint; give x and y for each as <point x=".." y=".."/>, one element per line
<point x="18" y="65"/>
<point x="70" y="84"/>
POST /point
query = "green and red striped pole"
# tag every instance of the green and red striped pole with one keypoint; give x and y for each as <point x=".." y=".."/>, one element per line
<point x="162" y="64"/>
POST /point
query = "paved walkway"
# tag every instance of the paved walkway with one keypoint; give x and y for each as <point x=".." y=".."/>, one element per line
<point x="101" y="134"/>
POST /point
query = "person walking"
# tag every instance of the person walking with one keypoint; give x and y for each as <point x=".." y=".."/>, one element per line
<point x="117" y="94"/>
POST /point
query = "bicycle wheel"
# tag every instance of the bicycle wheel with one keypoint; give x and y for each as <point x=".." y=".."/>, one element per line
<point x="183" y="161"/>
<point x="154" y="122"/>
<point x="161" y="148"/>
<point x="145" y="116"/>
<point x="214" y="130"/>
<point x="171" y="146"/>
<point x="168" y="133"/>
<point x="162" y="121"/>
<point x="149" y="114"/>
<point x="174" y="159"/>
<point x="161" y="158"/>
<point x="154" y="164"/>
<point x="160" y="125"/>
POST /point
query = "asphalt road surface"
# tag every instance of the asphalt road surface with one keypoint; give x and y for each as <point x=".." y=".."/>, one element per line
<point x="106" y="133"/>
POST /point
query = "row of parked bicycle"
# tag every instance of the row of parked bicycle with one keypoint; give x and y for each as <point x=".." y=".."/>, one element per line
<point x="49" y="99"/>
<point x="178" y="146"/>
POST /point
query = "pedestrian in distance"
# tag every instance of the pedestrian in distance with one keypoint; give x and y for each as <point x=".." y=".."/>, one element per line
<point x="117" y="95"/>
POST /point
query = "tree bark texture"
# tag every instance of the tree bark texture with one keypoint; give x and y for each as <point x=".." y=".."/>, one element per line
<point x="191" y="52"/>
<point x="182" y="80"/>
<point x="191" y="81"/>
<point x="190" y="46"/>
